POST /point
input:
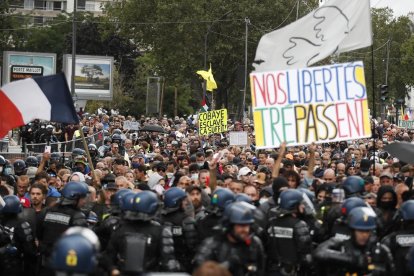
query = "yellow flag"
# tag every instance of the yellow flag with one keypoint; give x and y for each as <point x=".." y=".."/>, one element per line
<point x="208" y="76"/>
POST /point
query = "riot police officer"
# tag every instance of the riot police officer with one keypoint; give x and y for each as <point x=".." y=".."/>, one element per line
<point x="178" y="213"/>
<point x="360" y="255"/>
<point x="400" y="241"/>
<point x="19" y="167"/>
<point x="56" y="220"/>
<point x="340" y="229"/>
<point x="289" y="243"/>
<point x="210" y="224"/>
<point x="236" y="248"/>
<point x="111" y="223"/>
<point x="141" y="244"/>
<point x="93" y="151"/>
<point x="17" y="256"/>
<point x="76" y="252"/>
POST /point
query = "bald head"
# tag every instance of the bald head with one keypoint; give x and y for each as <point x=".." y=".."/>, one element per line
<point x="329" y="175"/>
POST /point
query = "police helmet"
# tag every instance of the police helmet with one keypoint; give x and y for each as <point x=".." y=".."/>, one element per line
<point x="106" y="133"/>
<point x="74" y="190"/>
<point x="117" y="131"/>
<point x="238" y="213"/>
<point x="127" y="200"/>
<point x="92" y="147"/>
<point x="77" y="152"/>
<point x="243" y="198"/>
<point x="117" y="197"/>
<point x="107" y="139"/>
<point x="173" y="197"/>
<point x="290" y="199"/>
<point x="76" y="251"/>
<point x="55" y="156"/>
<point x="12" y="205"/>
<point x="362" y="218"/>
<point x="19" y="166"/>
<point x="350" y="203"/>
<point x="2" y="160"/>
<point x="31" y="161"/>
<point x="407" y="210"/>
<point x="85" y="129"/>
<point x="116" y="138"/>
<point x="221" y="198"/>
<point x="353" y="185"/>
<point x="145" y="202"/>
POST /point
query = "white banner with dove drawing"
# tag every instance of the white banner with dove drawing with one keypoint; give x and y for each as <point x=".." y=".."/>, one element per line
<point x="336" y="27"/>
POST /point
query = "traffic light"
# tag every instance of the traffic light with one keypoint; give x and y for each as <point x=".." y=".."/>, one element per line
<point x="384" y="92"/>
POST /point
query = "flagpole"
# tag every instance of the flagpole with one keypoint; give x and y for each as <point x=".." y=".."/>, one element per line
<point x="374" y="113"/>
<point x="72" y="81"/>
<point x="247" y="22"/>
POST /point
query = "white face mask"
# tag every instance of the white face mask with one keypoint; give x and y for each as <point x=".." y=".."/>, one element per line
<point x="170" y="175"/>
<point x="194" y="176"/>
<point x="200" y="164"/>
<point x="263" y="200"/>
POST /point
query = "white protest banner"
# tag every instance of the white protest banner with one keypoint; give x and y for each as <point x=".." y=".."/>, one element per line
<point x="131" y="125"/>
<point x="336" y="27"/>
<point x="317" y="104"/>
<point x="238" y="138"/>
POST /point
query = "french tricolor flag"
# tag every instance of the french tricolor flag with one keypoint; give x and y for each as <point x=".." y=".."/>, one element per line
<point x="45" y="98"/>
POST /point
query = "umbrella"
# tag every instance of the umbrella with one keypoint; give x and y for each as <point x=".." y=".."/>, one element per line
<point x="403" y="151"/>
<point x="152" y="128"/>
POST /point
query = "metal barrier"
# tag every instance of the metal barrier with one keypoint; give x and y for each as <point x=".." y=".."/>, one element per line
<point x="63" y="147"/>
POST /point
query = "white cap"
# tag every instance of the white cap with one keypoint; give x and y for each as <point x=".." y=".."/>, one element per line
<point x="243" y="172"/>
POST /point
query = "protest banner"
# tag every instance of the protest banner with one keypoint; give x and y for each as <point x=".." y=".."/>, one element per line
<point x="238" y="138"/>
<point x="131" y="125"/>
<point x="212" y="122"/>
<point x="317" y="104"/>
<point x="406" y="124"/>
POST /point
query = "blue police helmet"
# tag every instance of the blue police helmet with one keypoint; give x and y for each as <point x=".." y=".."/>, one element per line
<point x="290" y="199"/>
<point x="75" y="251"/>
<point x="173" y="197"/>
<point x="362" y="218"/>
<point x="238" y="213"/>
<point x="74" y="190"/>
<point x="127" y="200"/>
<point x="145" y="202"/>
<point x="353" y="184"/>
<point x="350" y="203"/>
<point x="243" y="198"/>
<point x="31" y="161"/>
<point x="19" y="166"/>
<point x="12" y="205"/>
<point x="222" y="197"/>
<point x="117" y="197"/>
<point x="407" y="210"/>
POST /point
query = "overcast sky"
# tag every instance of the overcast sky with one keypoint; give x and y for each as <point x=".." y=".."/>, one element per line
<point x="400" y="7"/>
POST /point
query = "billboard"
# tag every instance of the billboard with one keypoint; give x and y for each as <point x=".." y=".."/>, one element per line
<point x="93" y="76"/>
<point x="22" y="65"/>
<point x="315" y="104"/>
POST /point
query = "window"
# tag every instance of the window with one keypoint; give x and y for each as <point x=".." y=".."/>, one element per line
<point x="81" y="4"/>
<point x="38" y="20"/>
<point x="57" y="6"/>
<point x="39" y="4"/>
<point x="49" y="5"/>
<point x="28" y="4"/>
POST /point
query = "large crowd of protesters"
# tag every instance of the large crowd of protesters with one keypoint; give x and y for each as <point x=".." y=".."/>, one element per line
<point x="319" y="209"/>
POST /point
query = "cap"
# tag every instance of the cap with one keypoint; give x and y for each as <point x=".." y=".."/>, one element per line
<point x="243" y="172"/>
<point x="386" y="174"/>
<point x="261" y="178"/>
<point x="31" y="172"/>
<point x="110" y="186"/>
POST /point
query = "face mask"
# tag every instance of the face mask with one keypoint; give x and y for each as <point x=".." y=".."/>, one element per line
<point x="263" y="200"/>
<point x="194" y="176"/>
<point x="364" y="173"/>
<point x="200" y="164"/>
<point x="387" y="205"/>
<point x="1" y="169"/>
<point x="170" y="175"/>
